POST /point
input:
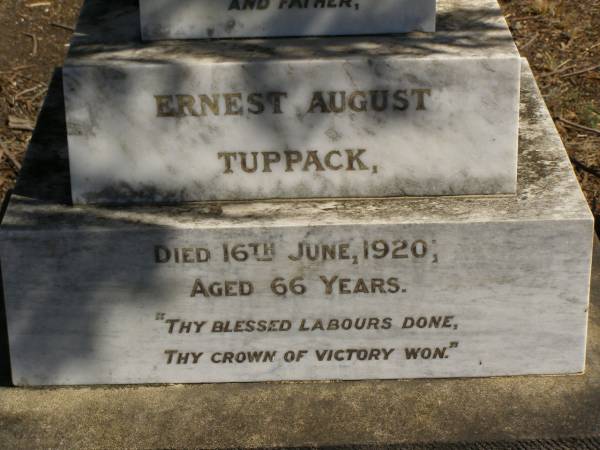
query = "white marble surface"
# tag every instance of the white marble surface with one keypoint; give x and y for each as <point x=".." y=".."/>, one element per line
<point x="88" y="302"/>
<point x="306" y="109"/>
<point x="193" y="19"/>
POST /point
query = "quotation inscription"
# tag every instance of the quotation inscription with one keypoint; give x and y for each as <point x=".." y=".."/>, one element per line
<point x="324" y="355"/>
<point x="194" y="327"/>
<point x="183" y="326"/>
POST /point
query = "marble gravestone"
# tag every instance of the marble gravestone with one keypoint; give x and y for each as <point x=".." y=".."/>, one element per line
<point x="370" y="116"/>
<point x="192" y="19"/>
<point x="439" y="285"/>
<point x="297" y="290"/>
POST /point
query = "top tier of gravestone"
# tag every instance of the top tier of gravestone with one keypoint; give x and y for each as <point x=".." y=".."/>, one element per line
<point x="417" y="114"/>
<point x="197" y="19"/>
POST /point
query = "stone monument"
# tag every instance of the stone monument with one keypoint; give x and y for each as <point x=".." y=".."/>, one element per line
<point x="294" y="208"/>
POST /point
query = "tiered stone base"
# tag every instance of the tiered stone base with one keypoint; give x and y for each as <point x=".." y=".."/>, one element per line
<point x="298" y="290"/>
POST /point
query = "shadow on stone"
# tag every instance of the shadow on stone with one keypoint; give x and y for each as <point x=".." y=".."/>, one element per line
<point x="5" y="379"/>
<point x="45" y="173"/>
<point x="41" y="249"/>
<point x="110" y="31"/>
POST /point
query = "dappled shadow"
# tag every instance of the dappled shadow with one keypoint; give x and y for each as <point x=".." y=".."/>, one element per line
<point x="181" y="19"/>
<point x="4" y="349"/>
<point x="81" y="264"/>
<point x="61" y="278"/>
<point x="45" y="172"/>
<point x="111" y="29"/>
<point x="126" y="71"/>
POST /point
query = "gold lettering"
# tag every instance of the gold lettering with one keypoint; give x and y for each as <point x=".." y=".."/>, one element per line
<point x="379" y="100"/>
<point x="211" y="103"/>
<point x="163" y="106"/>
<point x="270" y="158"/>
<point x="361" y="106"/>
<point x="318" y="102"/>
<point x="421" y="93"/>
<point x="333" y="106"/>
<point x="328" y="162"/>
<point x="232" y="104"/>
<point x="292" y="157"/>
<point x="313" y="160"/>
<point x="256" y="101"/>
<point x="186" y="102"/>
<point x="275" y="99"/>
<point x="402" y="102"/>
<point x="229" y="157"/>
<point x="244" y="163"/>
<point x="354" y="157"/>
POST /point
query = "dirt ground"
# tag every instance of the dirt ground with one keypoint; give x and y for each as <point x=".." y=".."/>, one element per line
<point x="561" y="39"/>
<point x="34" y="38"/>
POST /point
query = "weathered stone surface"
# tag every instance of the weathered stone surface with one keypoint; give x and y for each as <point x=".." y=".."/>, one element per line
<point x="191" y="19"/>
<point x="542" y="411"/>
<point x="91" y="299"/>
<point x="166" y="122"/>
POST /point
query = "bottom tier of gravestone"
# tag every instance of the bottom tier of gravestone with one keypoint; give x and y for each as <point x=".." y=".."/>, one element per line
<point x="391" y="288"/>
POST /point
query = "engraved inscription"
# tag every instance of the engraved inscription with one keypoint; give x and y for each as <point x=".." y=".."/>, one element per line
<point x="295" y="161"/>
<point x="273" y="102"/>
<point x="288" y="160"/>
<point x="328" y="280"/>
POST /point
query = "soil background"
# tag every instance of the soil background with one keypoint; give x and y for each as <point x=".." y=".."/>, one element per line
<point x="560" y="38"/>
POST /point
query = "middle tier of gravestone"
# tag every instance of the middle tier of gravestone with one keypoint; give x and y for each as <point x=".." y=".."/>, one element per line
<point x="418" y="114"/>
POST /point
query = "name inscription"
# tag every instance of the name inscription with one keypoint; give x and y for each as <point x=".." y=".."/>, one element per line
<point x="231" y="104"/>
<point x="257" y="103"/>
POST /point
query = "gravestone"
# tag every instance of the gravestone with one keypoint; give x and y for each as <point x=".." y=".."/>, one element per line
<point x="296" y="289"/>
